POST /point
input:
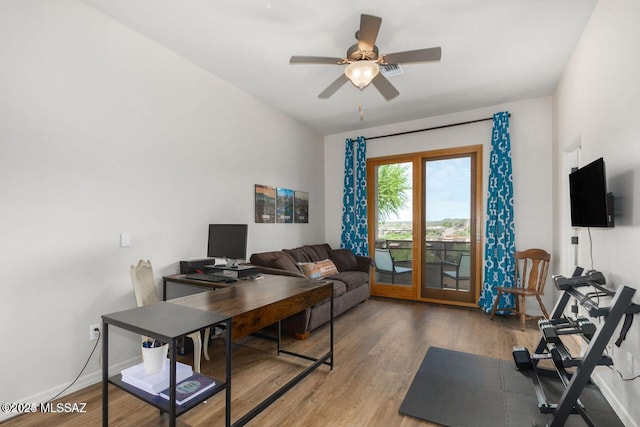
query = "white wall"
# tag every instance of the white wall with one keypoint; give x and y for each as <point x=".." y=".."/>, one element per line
<point x="103" y="131"/>
<point x="531" y="134"/>
<point x="597" y="101"/>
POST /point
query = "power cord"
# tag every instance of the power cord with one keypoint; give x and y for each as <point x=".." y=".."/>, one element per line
<point x="621" y="377"/>
<point x="590" y="246"/>
<point x="610" y="354"/>
<point x="81" y="371"/>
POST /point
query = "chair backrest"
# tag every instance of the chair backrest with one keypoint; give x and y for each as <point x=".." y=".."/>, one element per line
<point x="464" y="265"/>
<point x="383" y="260"/>
<point x="532" y="266"/>
<point x="144" y="285"/>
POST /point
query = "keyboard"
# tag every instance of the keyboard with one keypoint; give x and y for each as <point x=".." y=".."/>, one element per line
<point x="218" y="278"/>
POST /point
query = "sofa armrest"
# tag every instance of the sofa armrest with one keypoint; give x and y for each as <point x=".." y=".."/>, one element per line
<point x="277" y="271"/>
<point x="364" y="263"/>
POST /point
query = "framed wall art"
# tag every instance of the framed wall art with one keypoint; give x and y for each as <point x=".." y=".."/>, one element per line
<point x="301" y="207"/>
<point x="265" y="204"/>
<point x="284" y="205"/>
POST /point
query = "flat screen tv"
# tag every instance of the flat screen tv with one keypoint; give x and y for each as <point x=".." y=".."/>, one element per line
<point x="227" y="241"/>
<point x="591" y="205"/>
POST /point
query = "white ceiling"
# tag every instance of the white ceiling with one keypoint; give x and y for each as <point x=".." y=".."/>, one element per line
<point x="493" y="51"/>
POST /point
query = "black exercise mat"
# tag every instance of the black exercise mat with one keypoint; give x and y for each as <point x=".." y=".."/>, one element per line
<point x="456" y="389"/>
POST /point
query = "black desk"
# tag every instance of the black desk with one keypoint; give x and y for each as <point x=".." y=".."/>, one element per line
<point x="165" y="322"/>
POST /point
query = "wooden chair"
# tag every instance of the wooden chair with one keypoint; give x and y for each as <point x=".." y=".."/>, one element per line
<point x="384" y="262"/>
<point x="457" y="271"/>
<point x="144" y="288"/>
<point x="531" y="274"/>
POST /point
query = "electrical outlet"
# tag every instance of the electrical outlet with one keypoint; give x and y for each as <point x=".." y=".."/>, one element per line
<point x="630" y="370"/>
<point x="94" y="332"/>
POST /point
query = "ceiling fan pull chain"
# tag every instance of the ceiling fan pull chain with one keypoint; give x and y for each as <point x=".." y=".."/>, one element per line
<point x="360" y="107"/>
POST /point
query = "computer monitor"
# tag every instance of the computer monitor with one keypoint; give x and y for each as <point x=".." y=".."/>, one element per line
<point x="227" y="241"/>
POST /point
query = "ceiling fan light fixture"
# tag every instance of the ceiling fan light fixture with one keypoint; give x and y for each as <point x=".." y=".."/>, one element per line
<point x="361" y="73"/>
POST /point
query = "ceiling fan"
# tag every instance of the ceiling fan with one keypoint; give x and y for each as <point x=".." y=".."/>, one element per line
<point x="363" y="61"/>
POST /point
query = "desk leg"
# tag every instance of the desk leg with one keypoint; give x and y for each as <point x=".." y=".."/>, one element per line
<point x="164" y="289"/>
<point x="227" y="413"/>
<point x="279" y="337"/>
<point x="172" y="383"/>
<point x="105" y="374"/>
<point x="331" y="333"/>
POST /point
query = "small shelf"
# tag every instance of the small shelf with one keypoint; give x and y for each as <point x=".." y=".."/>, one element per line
<point x="162" y="403"/>
<point x="158" y="321"/>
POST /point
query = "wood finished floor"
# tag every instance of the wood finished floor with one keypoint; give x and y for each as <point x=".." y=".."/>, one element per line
<point x="378" y="347"/>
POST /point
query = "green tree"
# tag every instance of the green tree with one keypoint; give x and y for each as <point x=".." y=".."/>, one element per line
<point x="392" y="184"/>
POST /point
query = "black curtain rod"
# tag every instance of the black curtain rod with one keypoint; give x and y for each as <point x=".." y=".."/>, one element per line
<point x="433" y="128"/>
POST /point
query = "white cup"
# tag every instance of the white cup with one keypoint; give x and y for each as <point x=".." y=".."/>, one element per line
<point x="154" y="357"/>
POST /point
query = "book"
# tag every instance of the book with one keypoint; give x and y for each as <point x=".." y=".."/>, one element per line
<point x="190" y="388"/>
<point x="154" y="383"/>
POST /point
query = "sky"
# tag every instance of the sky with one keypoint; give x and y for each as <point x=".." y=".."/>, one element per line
<point x="448" y="190"/>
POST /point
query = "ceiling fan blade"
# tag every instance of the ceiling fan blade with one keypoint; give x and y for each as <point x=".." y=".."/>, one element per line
<point x="368" y="32"/>
<point x="421" y="55"/>
<point x="333" y="87"/>
<point x="315" y="60"/>
<point x="385" y="87"/>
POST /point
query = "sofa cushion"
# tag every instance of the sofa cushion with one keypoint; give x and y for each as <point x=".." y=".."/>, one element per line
<point x="344" y="259"/>
<point x="285" y="262"/>
<point x="323" y="250"/>
<point x="339" y="288"/>
<point x="352" y="279"/>
<point x="276" y="259"/>
<point x="265" y="259"/>
<point x="318" y="269"/>
<point x="303" y="254"/>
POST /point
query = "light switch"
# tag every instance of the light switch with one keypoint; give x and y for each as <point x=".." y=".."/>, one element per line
<point x="125" y="240"/>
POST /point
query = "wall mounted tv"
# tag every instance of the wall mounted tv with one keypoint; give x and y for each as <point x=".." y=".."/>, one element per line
<point x="591" y="205"/>
<point x="227" y="241"/>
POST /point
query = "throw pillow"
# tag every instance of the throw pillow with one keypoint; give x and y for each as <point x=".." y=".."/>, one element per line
<point x="344" y="259"/>
<point x="319" y="269"/>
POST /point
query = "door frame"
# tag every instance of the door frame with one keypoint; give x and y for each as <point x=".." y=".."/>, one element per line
<point x="418" y="180"/>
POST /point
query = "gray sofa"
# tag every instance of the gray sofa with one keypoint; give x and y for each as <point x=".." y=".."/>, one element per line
<point x="350" y="284"/>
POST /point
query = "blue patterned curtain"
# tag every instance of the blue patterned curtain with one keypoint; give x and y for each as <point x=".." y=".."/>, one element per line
<point x="499" y="250"/>
<point x="354" y="200"/>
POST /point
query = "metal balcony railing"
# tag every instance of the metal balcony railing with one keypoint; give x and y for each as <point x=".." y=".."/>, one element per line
<point x="436" y="250"/>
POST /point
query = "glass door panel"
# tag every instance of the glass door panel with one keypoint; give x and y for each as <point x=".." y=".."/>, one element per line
<point x="448" y="229"/>
<point x="393" y="238"/>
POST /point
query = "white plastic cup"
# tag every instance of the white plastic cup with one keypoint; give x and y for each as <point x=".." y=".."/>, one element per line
<point x="153" y="358"/>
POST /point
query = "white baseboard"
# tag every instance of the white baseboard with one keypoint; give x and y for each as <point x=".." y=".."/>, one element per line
<point x="612" y="398"/>
<point x="83" y="382"/>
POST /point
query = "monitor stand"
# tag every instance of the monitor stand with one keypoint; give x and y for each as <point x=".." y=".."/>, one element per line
<point x="242" y="270"/>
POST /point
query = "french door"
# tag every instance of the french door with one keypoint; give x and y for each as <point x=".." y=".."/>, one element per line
<point x="424" y="225"/>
